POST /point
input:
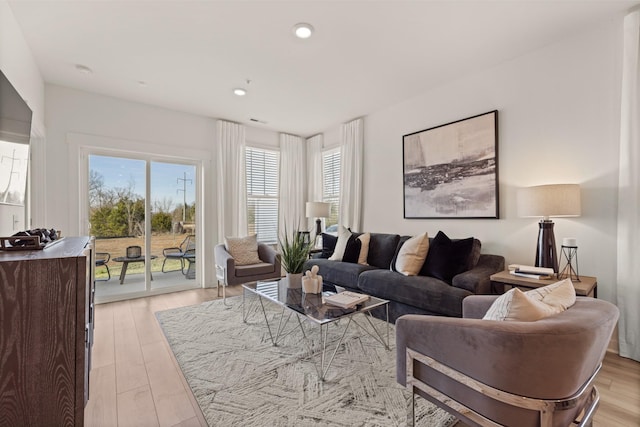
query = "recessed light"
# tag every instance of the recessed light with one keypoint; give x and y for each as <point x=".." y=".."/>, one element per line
<point x="83" y="69"/>
<point x="239" y="91"/>
<point x="303" y="30"/>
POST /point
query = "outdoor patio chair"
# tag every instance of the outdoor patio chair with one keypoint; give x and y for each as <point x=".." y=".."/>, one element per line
<point x="187" y="246"/>
<point x="102" y="258"/>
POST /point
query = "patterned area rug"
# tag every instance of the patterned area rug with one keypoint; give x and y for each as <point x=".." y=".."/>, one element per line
<point x="240" y="379"/>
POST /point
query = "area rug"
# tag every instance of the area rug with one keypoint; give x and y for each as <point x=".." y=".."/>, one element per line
<point x="240" y="379"/>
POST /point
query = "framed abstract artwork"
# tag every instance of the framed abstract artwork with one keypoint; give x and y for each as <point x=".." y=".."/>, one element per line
<point x="451" y="170"/>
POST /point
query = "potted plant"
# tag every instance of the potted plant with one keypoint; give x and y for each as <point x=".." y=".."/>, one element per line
<point x="295" y="251"/>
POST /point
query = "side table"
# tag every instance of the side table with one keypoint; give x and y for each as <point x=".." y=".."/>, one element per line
<point x="586" y="287"/>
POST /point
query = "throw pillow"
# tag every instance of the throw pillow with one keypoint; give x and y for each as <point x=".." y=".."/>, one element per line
<point x="341" y="244"/>
<point x="352" y="250"/>
<point x="244" y="250"/>
<point x="536" y="304"/>
<point x="364" y="250"/>
<point x="560" y="294"/>
<point x="328" y="245"/>
<point x="447" y="258"/>
<point x="412" y="255"/>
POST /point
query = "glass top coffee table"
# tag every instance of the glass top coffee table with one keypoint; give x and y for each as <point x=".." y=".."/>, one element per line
<point x="311" y="308"/>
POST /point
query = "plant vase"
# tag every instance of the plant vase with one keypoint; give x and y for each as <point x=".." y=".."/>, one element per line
<point x="294" y="280"/>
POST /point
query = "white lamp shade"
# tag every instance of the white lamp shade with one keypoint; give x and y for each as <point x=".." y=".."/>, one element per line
<point x="556" y="200"/>
<point x="318" y="209"/>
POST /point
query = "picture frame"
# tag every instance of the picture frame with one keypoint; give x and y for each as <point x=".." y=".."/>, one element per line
<point x="451" y="170"/>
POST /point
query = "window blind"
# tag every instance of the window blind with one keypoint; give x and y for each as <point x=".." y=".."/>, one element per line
<point x="262" y="193"/>
<point x="331" y="184"/>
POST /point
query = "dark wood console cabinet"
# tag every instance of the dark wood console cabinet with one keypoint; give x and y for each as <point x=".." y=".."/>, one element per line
<point x="46" y="333"/>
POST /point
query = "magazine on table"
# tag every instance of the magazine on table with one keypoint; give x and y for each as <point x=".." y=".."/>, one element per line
<point x="346" y="299"/>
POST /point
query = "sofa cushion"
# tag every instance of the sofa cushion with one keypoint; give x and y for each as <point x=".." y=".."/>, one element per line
<point x="382" y="248"/>
<point x="328" y="245"/>
<point x="411" y="255"/>
<point x="352" y="251"/>
<point x="341" y="244"/>
<point x="337" y="272"/>
<point x="474" y="256"/>
<point x="533" y="305"/>
<point x="254" y="269"/>
<point x="446" y="257"/>
<point x="244" y="250"/>
<point x="364" y="250"/>
<point x="395" y="255"/>
<point x="427" y="293"/>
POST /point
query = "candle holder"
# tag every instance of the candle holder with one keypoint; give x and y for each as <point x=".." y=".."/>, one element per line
<point x="570" y="256"/>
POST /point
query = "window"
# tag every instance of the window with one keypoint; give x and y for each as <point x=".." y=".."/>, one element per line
<point x="331" y="183"/>
<point x="262" y="193"/>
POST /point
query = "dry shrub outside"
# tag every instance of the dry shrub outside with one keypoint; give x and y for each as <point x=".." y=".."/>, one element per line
<point x="117" y="247"/>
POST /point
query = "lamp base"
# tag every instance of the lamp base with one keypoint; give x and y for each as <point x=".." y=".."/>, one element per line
<point x="318" y="227"/>
<point x="546" y="254"/>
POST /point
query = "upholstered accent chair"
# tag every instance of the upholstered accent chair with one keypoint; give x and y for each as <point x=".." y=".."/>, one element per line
<point x="229" y="273"/>
<point x="507" y="373"/>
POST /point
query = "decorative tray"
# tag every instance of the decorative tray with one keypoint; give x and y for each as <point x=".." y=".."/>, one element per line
<point x="21" y="243"/>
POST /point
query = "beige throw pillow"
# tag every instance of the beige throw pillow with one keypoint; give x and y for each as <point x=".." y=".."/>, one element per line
<point x="536" y="304"/>
<point x="560" y="294"/>
<point x="364" y="248"/>
<point x="412" y="254"/>
<point x="244" y="250"/>
<point x="341" y="244"/>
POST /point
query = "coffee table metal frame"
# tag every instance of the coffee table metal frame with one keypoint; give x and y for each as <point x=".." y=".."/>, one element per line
<point x="272" y="291"/>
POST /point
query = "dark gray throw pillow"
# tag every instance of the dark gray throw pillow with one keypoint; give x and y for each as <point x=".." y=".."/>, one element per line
<point x="328" y="245"/>
<point x="447" y="258"/>
<point x="352" y="251"/>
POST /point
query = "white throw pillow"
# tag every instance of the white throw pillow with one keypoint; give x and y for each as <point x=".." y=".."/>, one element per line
<point x="412" y="254"/>
<point x="364" y="249"/>
<point x="341" y="244"/>
<point x="244" y="250"/>
<point x="560" y="294"/>
<point x="532" y="305"/>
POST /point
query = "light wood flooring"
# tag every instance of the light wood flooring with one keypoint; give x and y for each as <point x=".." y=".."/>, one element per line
<point x="135" y="380"/>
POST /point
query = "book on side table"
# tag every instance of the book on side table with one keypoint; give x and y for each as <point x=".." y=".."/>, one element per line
<point x="531" y="272"/>
<point x="346" y="299"/>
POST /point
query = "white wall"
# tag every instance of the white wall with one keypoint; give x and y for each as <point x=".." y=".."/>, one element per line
<point x="75" y="118"/>
<point x="558" y="123"/>
<point x="18" y="64"/>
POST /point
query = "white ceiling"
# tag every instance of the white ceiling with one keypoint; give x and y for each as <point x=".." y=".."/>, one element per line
<point x="364" y="55"/>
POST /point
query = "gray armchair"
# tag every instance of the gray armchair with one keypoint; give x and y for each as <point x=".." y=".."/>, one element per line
<point x="229" y="274"/>
<point x="491" y="373"/>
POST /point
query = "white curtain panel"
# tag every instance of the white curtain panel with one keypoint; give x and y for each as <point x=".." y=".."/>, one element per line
<point x="315" y="144"/>
<point x="293" y="185"/>
<point x="231" y="180"/>
<point x="628" y="281"/>
<point x="351" y="167"/>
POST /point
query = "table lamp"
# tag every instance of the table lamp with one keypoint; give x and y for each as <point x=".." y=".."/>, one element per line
<point x="556" y="200"/>
<point x="318" y="210"/>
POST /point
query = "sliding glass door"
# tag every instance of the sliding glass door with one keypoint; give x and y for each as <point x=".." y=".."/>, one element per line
<point x="143" y="215"/>
<point x="173" y="223"/>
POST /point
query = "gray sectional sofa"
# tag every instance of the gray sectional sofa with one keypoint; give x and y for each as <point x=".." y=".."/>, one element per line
<point x="421" y="294"/>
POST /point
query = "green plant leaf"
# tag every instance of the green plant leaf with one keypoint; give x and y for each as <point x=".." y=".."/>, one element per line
<point x="295" y="251"/>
